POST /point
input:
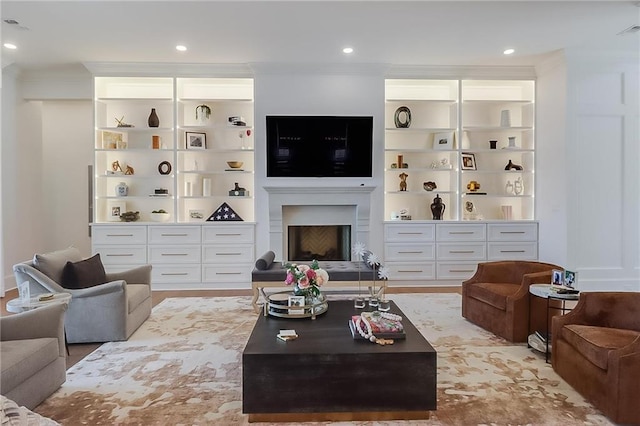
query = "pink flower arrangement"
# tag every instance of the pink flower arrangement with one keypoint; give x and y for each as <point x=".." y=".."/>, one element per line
<point x="306" y="279"/>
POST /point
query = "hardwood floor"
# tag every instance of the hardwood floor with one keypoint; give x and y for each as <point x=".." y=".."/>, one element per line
<point x="80" y="350"/>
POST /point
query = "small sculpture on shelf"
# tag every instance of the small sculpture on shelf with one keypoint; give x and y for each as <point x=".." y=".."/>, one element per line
<point x="238" y="191"/>
<point x="508" y="188"/>
<point x="203" y="113"/>
<point x="473" y="186"/>
<point x="403" y="181"/>
<point x="429" y="186"/>
<point x="129" y="170"/>
<point x="121" y="123"/>
<point x="518" y="186"/>
<point x="129" y="216"/>
<point x="511" y="166"/>
<point x="115" y="166"/>
<point x="437" y="208"/>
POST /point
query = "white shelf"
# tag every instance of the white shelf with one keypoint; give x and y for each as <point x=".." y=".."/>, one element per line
<point x="135" y="129"/>
<point x="494" y="128"/>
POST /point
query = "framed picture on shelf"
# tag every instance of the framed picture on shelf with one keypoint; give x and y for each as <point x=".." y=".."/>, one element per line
<point x="196" y="140"/>
<point x="296" y="301"/>
<point x="114" y="140"/>
<point x="468" y="161"/>
<point x="570" y="278"/>
<point x="114" y="209"/>
<point x="196" y="215"/>
<point x="443" y="140"/>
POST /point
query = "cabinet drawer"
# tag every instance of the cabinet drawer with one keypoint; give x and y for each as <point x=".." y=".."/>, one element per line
<point x="409" y="251"/>
<point x="461" y="232"/>
<point x="174" y="254"/>
<point x="456" y="270"/>
<point x="227" y="254"/>
<point x="174" y="234"/>
<point x="462" y="251"/>
<point x="411" y="270"/>
<point x="512" y="232"/>
<point x="513" y="251"/>
<point x="175" y="273"/>
<point x="237" y="273"/>
<point x="233" y="234"/>
<point x="407" y="232"/>
<point x="122" y="255"/>
<point x="119" y="234"/>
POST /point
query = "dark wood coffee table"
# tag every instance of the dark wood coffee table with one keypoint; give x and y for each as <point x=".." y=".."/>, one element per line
<point x="327" y="375"/>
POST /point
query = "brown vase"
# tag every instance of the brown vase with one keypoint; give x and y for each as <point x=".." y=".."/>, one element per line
<point x="153" y="121"/>
<point x="437" y="208"/>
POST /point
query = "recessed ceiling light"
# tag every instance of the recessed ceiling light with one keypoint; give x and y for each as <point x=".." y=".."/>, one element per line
<point x="509" y="51"/>
<point x="181" y="48"/>
<point x="10" y="46"/>
<point x="347" y="50"/>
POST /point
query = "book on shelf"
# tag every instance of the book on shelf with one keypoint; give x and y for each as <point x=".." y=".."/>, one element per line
<point x="383" y="328"/>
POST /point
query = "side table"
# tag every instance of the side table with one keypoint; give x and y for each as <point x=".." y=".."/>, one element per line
<point x="546" y="291"/>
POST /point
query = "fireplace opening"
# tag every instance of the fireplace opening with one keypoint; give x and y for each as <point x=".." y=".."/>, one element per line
<point x="321" y="242"/>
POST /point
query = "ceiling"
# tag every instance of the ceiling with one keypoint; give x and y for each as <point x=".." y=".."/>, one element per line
<point x="52" y="33"/>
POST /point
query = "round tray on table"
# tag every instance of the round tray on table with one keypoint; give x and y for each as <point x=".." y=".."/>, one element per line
<point x="278" y="306"/>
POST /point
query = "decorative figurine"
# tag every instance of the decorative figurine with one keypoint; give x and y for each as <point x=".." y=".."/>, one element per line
<point x="437" y="208"/>
<point x="518" y="186"/>
<point x="129" y="170"/>
<point x="512" y="166"/>
<point x="121" y="123"/>
<point x="473" y="186"/>
<point x="493" y="144"/>
<point x="203" y="112"/>
<point x="508" y="188"/>
<point x="403" y="181"/>
<point x="115" y="166"/>
<point x="429" y="186"/>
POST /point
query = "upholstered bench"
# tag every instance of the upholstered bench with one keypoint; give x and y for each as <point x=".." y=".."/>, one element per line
<point x="342" y="274"/>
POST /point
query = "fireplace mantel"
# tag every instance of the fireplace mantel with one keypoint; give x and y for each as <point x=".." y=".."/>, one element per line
<point x="310" y="197"/>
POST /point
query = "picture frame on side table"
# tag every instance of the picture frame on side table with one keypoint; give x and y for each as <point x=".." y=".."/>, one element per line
<point x="468" y="161"/>
<point x="195" y="140"/>
<point x="443" y="140"/>
<point x="570" y="278"/>
<point x="114" y="209"/>
<point x="557" y="277"/>
<point x="296" y="301"/>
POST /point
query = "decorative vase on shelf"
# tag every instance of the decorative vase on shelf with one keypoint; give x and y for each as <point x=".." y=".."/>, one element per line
<point x="508" y="188"/>
<point x="203" y="113"/>
<point x="505" y="118"/>
<point x="518" y="186"/>
<point x="512" y="142"/>
<point x="437" y="208"/>
<point x="122" y="190"/>
<point x="153" y="121"/>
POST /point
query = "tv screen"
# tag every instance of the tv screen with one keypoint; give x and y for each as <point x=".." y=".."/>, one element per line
<point x="319" y="146"/>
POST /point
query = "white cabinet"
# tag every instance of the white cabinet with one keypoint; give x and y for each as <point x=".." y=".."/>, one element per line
<point x="448" y="145"/>
<point x="180" y="166"/>
<point x="446" y="253"/>
<point x="183" y="256"/>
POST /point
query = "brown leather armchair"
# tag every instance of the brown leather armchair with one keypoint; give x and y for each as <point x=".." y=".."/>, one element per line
<point x="596" y="349"/>
<point x="497" y="298"/>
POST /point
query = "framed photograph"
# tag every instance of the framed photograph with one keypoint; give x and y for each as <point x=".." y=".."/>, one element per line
<point x="114" y="140"/>
<point x="196" y="140"/>
<point x="443" y="140"/>
<point x="557" y="277"/>
<point x="196" y="215"/>
<point x="296" y="301"/>
<point x="114" y="209"/>
<point x="570" y="278"/>
<point x="468" y="161"/>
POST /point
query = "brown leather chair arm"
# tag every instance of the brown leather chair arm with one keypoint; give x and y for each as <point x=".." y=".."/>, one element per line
<point x="477" y="277"/>
<point x="533" y="278"/>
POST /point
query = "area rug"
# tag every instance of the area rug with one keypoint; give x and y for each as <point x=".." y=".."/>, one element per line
<point x="183" y="367"/>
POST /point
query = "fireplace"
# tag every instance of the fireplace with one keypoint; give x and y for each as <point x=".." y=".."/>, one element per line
<point x="320" y="242"/>
<point x="346" y="209"/>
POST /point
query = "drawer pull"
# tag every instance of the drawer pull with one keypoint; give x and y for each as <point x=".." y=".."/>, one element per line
<point x="512" y="232"/>
<point x="119" y="235"/>
<point x="173" y="273"/>
<point x="228" y="235"/>
<point x="461" y="270"/>
<point x="511" y="251"/>
<point x="174" y="235"/>
<point x="228" y="254"/>
<point x="409" y="271"/>
<point x="174" y="254"/>
<point x="461" y="251"/>
<point x="461" y="232"/>
<point x="120" y="255"/>
<point x="228" y="273"/>
<point x="410" y="252"/>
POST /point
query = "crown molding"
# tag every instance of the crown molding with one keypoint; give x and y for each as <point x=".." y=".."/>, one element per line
<point x="461" y="72"/>
<point x="319" y="68"/>
<point x="148" y="69"/>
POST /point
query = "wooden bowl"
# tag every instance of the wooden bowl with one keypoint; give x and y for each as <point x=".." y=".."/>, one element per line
<point x="235" y="164"/>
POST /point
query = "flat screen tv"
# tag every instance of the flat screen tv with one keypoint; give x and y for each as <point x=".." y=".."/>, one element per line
<point x="319" y="146"/>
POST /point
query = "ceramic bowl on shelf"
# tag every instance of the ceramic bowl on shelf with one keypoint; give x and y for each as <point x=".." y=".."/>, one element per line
<point x="235" y="164"/>
<point x="159" y="217"/>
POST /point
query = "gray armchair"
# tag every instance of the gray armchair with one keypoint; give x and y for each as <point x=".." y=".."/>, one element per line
<point x="103" y="313"/>
<point x="32" y="354"/>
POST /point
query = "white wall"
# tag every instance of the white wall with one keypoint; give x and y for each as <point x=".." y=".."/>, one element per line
<point x="603" y="145"/>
